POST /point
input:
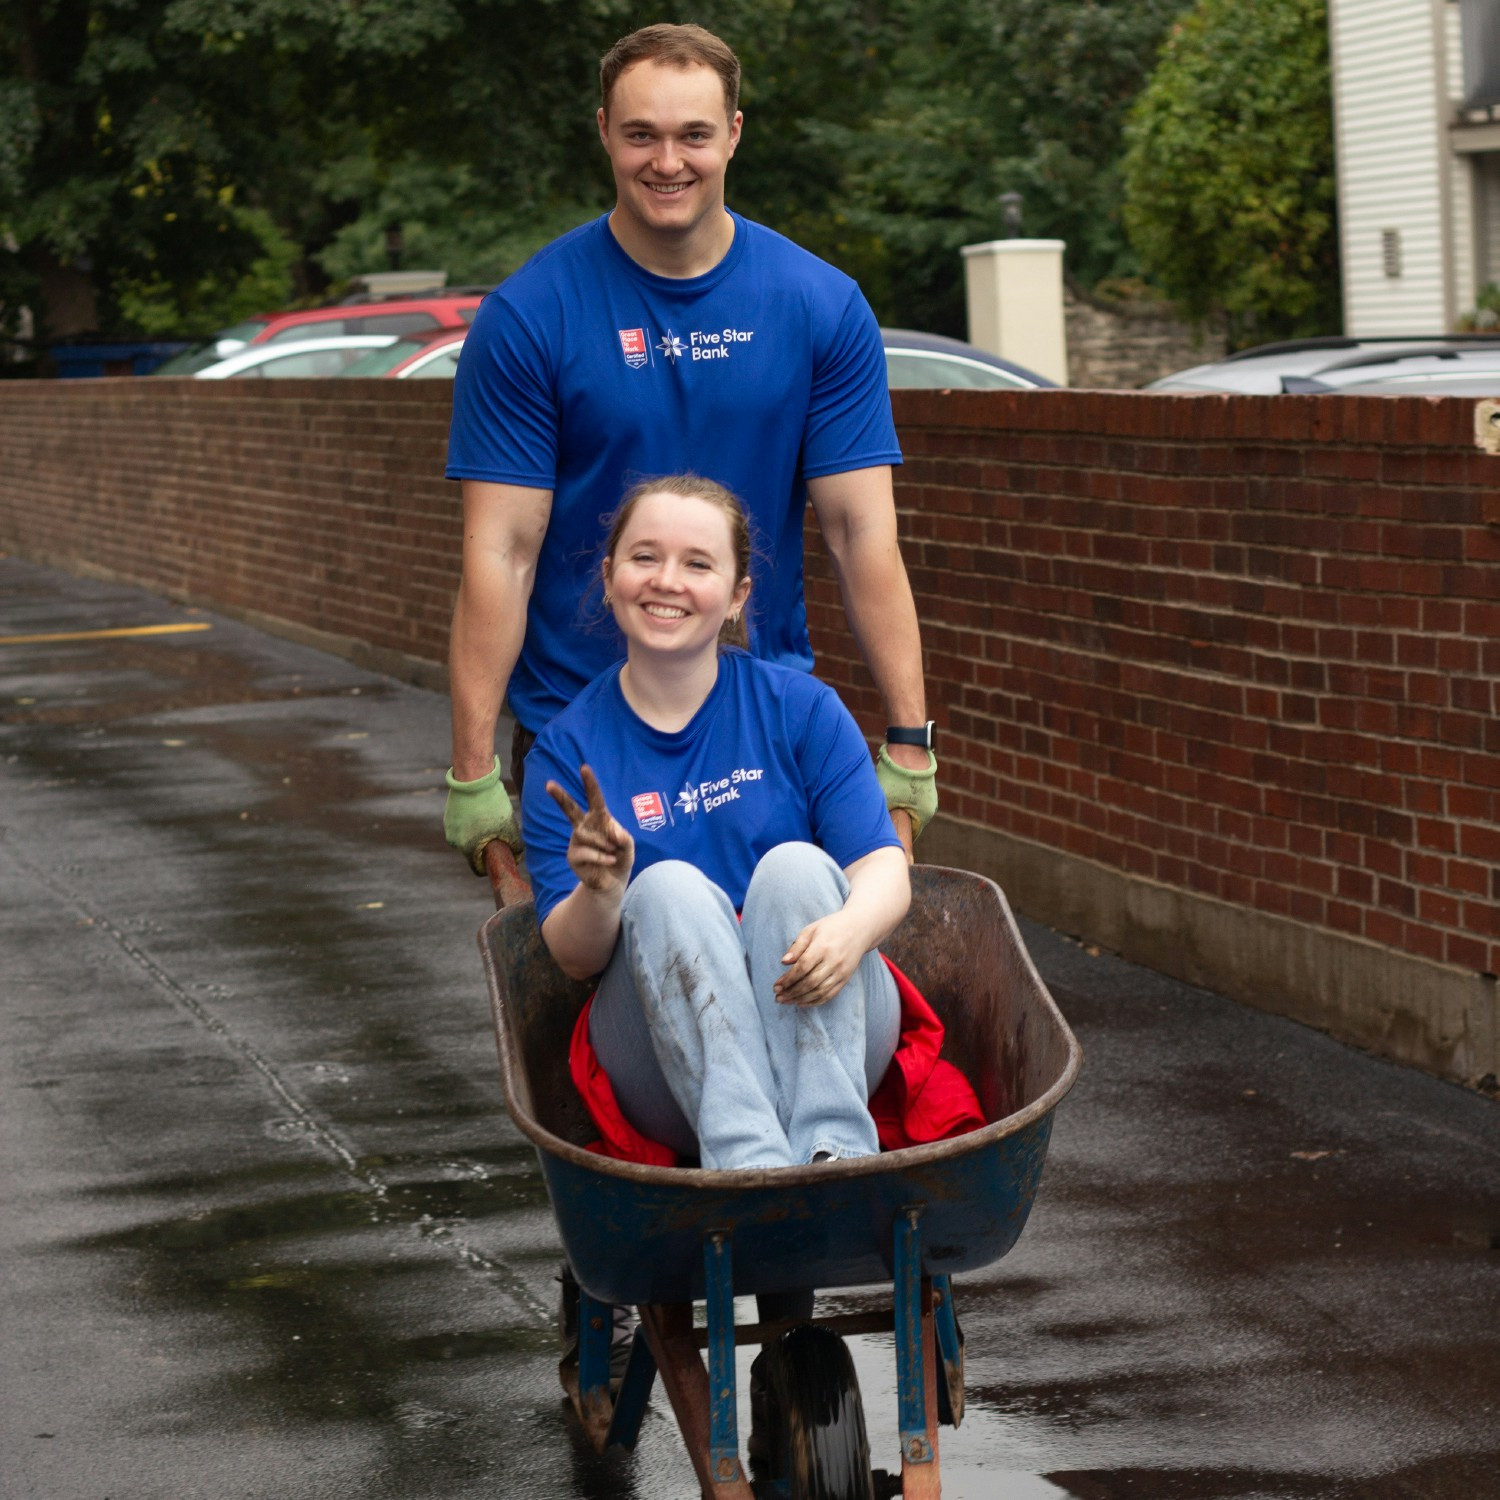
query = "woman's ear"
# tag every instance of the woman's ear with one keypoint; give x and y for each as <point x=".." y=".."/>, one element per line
<point x="737" y="601"/>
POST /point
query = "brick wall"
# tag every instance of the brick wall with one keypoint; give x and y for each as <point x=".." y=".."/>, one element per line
<point x="1244" y="651"/>
<point x="317" y="503"/>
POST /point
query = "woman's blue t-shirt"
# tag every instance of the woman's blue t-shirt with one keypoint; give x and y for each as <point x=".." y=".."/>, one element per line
<point x="772" y="756"/>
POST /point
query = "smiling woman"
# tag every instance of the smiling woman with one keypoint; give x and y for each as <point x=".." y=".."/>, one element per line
<point x="669" y="577"/>
<point x="705" y="831"/>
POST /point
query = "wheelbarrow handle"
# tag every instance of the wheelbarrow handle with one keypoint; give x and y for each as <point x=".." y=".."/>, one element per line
<point x="506" y="881"/>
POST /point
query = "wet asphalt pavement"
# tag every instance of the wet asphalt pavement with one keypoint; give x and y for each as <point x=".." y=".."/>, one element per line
<point x="265" y="1230"/>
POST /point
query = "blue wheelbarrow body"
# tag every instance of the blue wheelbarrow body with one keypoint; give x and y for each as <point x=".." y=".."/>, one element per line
<point x="658" y="1236"/>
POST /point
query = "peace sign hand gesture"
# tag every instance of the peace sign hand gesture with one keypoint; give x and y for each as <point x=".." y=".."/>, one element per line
<point x="600" y="853"/>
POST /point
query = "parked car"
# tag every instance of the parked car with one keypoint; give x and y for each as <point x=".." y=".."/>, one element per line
<point x="432" y="355"/>
<point x="1324" y="364"/>
<point x="393" y="315"/>
<point x="928" y="361"/>
<point x="1426" y="371"/>
<point x="307" y="358"/>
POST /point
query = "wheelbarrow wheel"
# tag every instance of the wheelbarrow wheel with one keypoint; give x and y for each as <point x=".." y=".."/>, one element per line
<point x="807" y="1436"/>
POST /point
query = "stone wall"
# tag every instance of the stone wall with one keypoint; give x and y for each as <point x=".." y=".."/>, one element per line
<point x="1126" y="345"/>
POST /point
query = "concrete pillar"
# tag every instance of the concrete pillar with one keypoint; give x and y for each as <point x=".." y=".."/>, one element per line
<point x="1015" y="296"/>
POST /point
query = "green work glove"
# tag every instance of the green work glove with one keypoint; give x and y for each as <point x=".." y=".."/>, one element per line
<point x="477" y="812"/>
<point x="912" y="792"/>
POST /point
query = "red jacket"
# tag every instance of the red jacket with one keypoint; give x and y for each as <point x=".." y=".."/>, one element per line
<point x="921" y="1098"/>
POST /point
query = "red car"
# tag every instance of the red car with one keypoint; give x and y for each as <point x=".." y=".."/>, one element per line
<point x="400" y="315"/>
<point x="432" y="355"/>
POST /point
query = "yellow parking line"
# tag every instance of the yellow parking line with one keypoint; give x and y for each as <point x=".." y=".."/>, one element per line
<point x="100" y="635"/>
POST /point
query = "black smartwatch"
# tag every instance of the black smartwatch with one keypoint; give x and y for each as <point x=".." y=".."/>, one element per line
<point x="903" y="734"/>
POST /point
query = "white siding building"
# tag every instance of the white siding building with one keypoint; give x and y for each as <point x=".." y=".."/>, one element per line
<point x="1416" y="88"/>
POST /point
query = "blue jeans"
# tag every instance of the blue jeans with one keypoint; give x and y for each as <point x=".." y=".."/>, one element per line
<point x="699" y="1052"/>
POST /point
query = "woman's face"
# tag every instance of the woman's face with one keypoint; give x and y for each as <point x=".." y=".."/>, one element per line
<point x="671" y="578"/>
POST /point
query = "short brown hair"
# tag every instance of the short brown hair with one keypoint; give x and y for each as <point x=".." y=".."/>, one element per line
<point x="677" y="47"/>
<point x="694" y="487"/>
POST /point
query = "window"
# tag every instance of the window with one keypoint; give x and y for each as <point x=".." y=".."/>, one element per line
<point x="1390" y="253"/>
<point x="314" y="328"/>
<point x="442" y="366"/>
<point x="921" y="370"/>
<point x="298" y="366"/>
<point x="1479" y="21"/>
<point x="397" y="323"/>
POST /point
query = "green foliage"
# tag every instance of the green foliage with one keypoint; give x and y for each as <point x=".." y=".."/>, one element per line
<point x="196" y="309"/>
<point x="1229" y="176"/>
<point x="983" y="97"/>
<point x="166" y="165"/>
<point x="448" y="222"/>
<point x="1485" y="317"/>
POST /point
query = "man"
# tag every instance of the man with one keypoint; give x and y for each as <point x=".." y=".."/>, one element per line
<point x="668" y="335"/>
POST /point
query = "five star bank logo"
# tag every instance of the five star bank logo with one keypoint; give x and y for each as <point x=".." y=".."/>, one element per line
<point x="688" y="799"/>
<point x="671" y="346"/>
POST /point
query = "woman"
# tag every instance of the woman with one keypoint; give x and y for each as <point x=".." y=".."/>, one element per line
<point x="714" y="784"/>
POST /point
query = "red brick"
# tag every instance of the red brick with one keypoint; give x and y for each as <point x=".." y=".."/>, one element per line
<point x="1468" y="953"/>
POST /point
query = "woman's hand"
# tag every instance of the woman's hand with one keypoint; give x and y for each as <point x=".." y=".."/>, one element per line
<point x="825" y="954"/>
<point x="821" y="960"/>
<point x="600" y="853"/>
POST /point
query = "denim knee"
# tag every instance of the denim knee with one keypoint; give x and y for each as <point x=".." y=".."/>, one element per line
<point x="670" y="886"/>
<point x="792" y="874"/>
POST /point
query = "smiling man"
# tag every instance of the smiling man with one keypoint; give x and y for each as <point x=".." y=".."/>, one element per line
<point x="669" y="335"/>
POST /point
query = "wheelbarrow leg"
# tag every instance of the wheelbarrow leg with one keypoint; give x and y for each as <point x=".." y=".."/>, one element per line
<point x="703" y="1400"/>
<point x="916" y="1364"/>
<point x="950" y="1340"/>
<point x="669" y="1331"/>
<point x="585" y="1372"/>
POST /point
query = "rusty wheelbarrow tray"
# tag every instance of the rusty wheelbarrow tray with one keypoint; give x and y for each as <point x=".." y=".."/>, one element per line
<point x="661" y="1238"/>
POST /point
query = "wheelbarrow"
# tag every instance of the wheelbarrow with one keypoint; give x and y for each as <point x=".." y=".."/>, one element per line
<point x="661" y="1239"/>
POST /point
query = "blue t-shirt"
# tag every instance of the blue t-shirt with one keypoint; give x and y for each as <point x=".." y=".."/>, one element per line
<point x="771" y="756"/>
<point x="584" y="373"/>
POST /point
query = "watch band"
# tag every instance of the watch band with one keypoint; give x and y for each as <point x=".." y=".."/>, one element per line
<point x="904" y="734"/>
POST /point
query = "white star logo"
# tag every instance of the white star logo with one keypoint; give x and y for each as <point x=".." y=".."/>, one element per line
<point x="687" y="800"/>
<point x="671" y="346"/>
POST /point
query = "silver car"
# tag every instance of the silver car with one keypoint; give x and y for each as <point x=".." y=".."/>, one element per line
<point x="1310" y="366"/>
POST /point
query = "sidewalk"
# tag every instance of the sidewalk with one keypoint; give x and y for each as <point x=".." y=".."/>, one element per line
<point x="265" y="1230"/>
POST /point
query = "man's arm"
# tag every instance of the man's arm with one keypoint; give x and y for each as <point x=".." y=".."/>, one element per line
<point x="503" y="529"/>
<point x="857" y="513"/>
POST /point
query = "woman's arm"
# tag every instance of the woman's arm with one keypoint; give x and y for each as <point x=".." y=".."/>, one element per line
<point x="581" y="930"/>
<point x="826" y="953"/>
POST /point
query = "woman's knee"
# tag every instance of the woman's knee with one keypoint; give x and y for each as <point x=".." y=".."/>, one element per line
<point x="665" y="886"/>
<point x="797" y="877"/>
<point x="671" y="903"/>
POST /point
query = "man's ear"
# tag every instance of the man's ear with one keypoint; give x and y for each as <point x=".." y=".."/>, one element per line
<point x="735" y="126"/>
<point x="603" y="127"/>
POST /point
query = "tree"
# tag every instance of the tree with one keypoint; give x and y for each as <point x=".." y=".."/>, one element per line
<point x="169" y="165"/>
<point x="983" y="97"/>
<point x="161" y="156"/>
<point x="1229" y="176"/>
<point x="110" y="165"/>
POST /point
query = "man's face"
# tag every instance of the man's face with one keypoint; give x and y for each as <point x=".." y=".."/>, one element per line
<point x="669" y="139"/>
